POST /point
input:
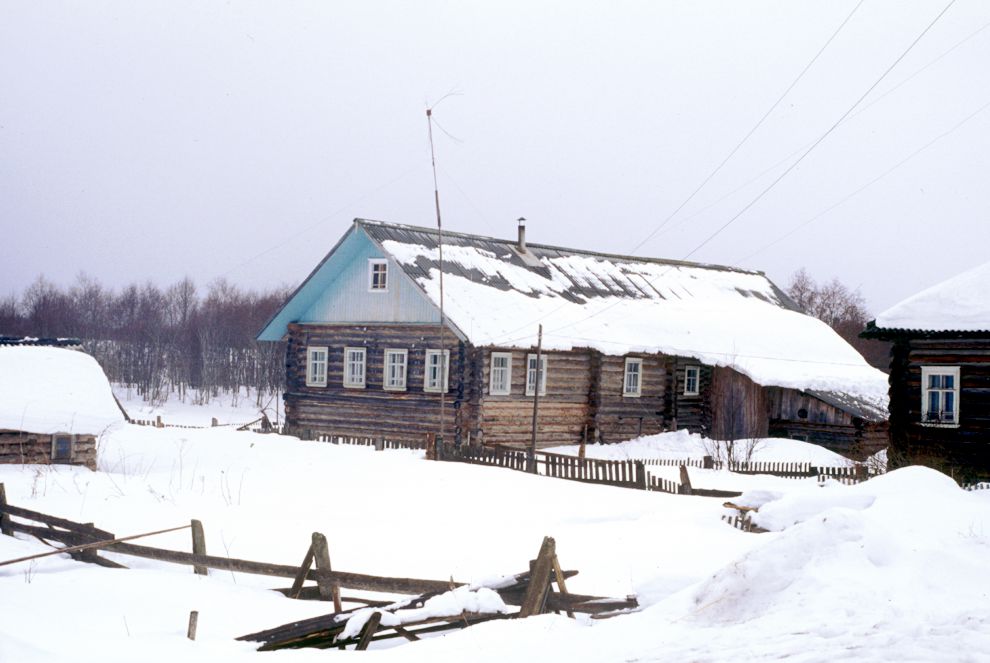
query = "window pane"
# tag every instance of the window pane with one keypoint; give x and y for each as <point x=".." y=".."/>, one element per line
<point x="933" y="404"/>
<point x="948" y="381"/>
<point x="950" y="401"/>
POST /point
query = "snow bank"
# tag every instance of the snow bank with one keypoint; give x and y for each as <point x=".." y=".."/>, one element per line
<point x="54" y="390"/>
<point x="683" y="444"/>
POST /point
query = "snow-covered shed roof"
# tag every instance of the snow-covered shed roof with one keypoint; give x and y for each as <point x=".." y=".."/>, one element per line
<point x="496" y="295"/>
<point x="959" y="304"/>
<point x="54" y="390"/>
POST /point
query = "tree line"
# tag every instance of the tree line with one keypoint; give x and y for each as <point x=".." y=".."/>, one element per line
<point x="160" y="341"/>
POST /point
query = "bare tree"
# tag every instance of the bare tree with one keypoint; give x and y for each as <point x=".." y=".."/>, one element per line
<point x="842" y="309"/>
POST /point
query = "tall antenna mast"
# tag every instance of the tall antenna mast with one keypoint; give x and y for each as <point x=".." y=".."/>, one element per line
<point x="443" y="355"/>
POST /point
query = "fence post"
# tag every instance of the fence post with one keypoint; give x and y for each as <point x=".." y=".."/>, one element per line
<point x="321" y="553"/>
<point x="193" y="624"/>
<point x="4" y="516"/>
<point x="708" y="463"/>
<point x="379" y="444"/>
<point x="198" y="546"/>
<point x="685" y="482"/>
<point x="640" y="475"/>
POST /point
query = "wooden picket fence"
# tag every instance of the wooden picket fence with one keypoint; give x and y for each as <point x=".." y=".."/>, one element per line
<point x="379" y="443"/>
<point x="979" y="485"/>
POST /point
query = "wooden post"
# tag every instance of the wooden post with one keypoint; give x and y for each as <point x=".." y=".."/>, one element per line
<point x="214" y="423"/>
<point x="536" y="396"/>
<point x="708" y="463"/>
<point x="640" y="472"/>
<point x="685" y="482"/>
<point x="158" y="422"/>
<point x="379" y="444"/>
<point x="4" y="516"/>
<point x="369" y="630"/>
<point x="193" y="624"/>
<point x="535" y="598"/>
<point x="321" y="554"/>
<point x="198" y="546"/>
<point x="300" y="578"/>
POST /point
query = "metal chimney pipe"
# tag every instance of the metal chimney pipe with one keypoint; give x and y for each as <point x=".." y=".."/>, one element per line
<point x="522" y="234"/>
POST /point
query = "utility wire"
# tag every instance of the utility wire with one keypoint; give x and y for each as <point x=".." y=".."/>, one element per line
<point x="780" y="177"/>
<point x="859" y="112"/>
<point x="871" y="182"/>
<point x="821" y="138"/>
<point x="756" y="126"/>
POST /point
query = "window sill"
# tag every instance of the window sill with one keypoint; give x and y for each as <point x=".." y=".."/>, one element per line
<point x="632" y="395"/>
<point x="935" y="424"/>
<point x="321" y="385"/>
<point x="394" y="389"/>
<point x="353" y="386"/>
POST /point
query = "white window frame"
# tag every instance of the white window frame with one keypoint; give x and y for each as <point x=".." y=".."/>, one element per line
<point x="347" y="381"/>
<point x="388" y="384"/>
<point x="697" y="380"/>
<point x="638" y="390"/>
<point x="435" y="388"/>
<point x="492" y="388"/>
<point x="313" y="378"/>
<point x="926" y="373"/>
<point x="72" y="447"/>
<point x="372" y="263"/>
<point x="531" y="370"/>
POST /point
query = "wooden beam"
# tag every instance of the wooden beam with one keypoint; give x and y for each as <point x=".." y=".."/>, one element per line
<point x="95" y="545"/>
<point x="369" y="630"/>
<point x="534" y="601"/>
<point x="4" y="514"/>
<point x="561" y="583"/>
<point x="297" y="582"/>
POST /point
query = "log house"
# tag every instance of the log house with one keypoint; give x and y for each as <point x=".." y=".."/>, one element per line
<point x="363" y="336"/>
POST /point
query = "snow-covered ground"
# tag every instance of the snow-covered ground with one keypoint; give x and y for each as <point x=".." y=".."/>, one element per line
<point x="892" y="569"/>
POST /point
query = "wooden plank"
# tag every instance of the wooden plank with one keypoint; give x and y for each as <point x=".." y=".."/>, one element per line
<point x="561" y="582"/>
<point x="90" y="546"/>
<point x="534" y="601"/>
<point x="369" y="630"/>
<point x="54" y="520"/>
<point x="300" y="578"/>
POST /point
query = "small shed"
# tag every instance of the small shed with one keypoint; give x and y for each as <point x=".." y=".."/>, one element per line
<point x="55" y="402"/>
<point x="940" y="376"/>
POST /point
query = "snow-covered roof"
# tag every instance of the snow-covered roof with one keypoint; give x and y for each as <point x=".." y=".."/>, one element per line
<point x="54" y="390"/>
<point x="960" y="304"/>
<point x="496" y="296"/>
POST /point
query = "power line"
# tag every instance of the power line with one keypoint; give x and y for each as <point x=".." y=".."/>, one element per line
<point x="871" y="182"/>
<point x="859" y="112"/>
<point x="821" y="138"/>
<point x="779" y="178"/>
<point x="756" y="126"/>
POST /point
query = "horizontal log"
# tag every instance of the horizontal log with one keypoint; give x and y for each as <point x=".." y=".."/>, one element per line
<point x="37" y="516"/>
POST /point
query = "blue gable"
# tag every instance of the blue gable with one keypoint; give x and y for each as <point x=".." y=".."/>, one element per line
<point x="337" y="291"/>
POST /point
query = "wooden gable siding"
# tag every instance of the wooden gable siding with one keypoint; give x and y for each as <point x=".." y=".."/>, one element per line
<point x="618" y="417"/>
<point x="563" y="410"/>
<point x="962" y="451"/>
<point x="373" y="412"/>
<point x="823" y="424"/>
<point x="349" y="300"/>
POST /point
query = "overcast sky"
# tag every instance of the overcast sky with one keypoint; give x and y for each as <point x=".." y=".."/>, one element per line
<point x="154" y="140"/>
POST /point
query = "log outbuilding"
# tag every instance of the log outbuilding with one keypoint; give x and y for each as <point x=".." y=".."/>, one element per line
<point x="940" y="376"/>
<point x="55" y="402"/>
<point x="630" y="346"/>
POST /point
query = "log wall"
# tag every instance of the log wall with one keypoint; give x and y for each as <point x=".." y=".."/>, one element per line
<point x="18" y="447"/>
<point x="619" y="417"/>
<point x="961" y="451"/>
<point x="373" y="412"/>
<point x="564" y="411"/>
<point x="690" y="412"/>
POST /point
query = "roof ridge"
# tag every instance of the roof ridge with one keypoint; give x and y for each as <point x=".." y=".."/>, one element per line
<point x="659" y="261"/>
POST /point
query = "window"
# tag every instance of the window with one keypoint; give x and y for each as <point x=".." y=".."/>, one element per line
<point x="691" y="380"/>
<point x="378" y="275"/>
<point x="61" y="447"/>
<point x="632" y="382"/>
<point x="354" y="367"/>
<point x="316" y="367"/>
<point x="434" y="369"/>
<point x="940" y="395"/>
<point x="500" y="380"/>
<point x="395" y="370"/>
<point x="531" y="374"/>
